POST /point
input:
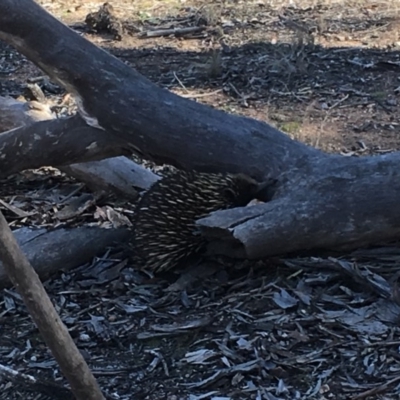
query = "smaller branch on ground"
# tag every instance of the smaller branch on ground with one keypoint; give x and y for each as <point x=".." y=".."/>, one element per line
<point x="28" y="382"/>
<point x="50" y="250"/>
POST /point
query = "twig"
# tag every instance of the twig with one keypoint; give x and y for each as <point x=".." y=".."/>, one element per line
<point x="244" y="102"/>
<point x="180" y="83"/>
<point x="339" y="102"/>
<point x="173" y="31"/>
<point x="376" y="390"/>
<point x="199" y="95"/>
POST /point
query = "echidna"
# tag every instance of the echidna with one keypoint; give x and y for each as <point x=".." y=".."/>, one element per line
<point x="164" y="230"/>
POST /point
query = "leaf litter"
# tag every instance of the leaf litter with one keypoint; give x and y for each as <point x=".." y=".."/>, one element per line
<point x="298" y="328"/>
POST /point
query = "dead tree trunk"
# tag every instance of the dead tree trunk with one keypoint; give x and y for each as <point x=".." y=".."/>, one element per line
<point x="320" y="201"/>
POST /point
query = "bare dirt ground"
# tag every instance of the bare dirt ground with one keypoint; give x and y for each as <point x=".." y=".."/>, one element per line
<point x="326" y="73"/>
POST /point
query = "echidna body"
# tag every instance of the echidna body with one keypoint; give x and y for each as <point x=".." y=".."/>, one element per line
<point x="164" y="229"/>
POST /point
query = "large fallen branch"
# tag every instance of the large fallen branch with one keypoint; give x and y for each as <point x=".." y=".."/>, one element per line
<point x="341" y="206"/>
<point x="320" y="200"/>
<point x="160" y="124"/>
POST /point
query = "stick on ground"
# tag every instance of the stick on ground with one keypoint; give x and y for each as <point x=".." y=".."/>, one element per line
<point x="54" y="332"/>
<point x="57" y="392"/>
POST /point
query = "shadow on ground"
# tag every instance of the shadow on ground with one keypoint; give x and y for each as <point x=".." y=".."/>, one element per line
<point x="320" y="328"/>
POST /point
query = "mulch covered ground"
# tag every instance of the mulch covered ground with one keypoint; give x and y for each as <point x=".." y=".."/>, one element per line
<point x="304" y="327"/>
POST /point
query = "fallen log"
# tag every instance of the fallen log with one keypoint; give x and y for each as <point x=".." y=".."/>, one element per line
<point x="336" y="207"/>
<point x="319" y="200"/>
<point x="114" y="175"/>
<point x="48" y="251"/>
<point x="161" y="125"/>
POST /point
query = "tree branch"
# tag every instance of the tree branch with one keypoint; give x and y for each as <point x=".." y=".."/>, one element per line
<point x="48" y="251"/>
<point x="59" y="142"/>
<point x="54" y="332"/>
<point x="53" y="142"/>
<point x="162" y="125"/>
<point x="339" y="205"/>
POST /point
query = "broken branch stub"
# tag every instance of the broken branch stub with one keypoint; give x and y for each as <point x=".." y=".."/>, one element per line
<point x="26" y="144"/>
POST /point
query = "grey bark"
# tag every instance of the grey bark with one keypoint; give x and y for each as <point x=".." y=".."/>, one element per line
<point x="159" y="124"/>
<point x="25" y="113"/>
<point x="320" y="200"/>
<point x="26" y="143"/>
<point x="54" y="142"/>
<point x="48" y="251"/>
<point x="340" y="205"/>
<point x="117" y="175"/>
